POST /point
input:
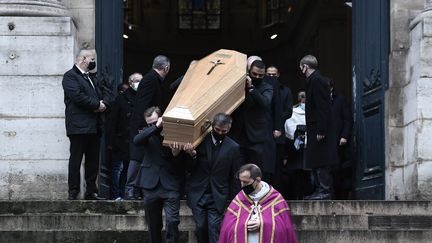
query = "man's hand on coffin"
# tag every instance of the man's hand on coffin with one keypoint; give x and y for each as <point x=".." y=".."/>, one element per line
<point x="175" y="148"/>
<point x="189" y="149"/>
<point x="248" y="82"/>
<point x="159" y="122"/>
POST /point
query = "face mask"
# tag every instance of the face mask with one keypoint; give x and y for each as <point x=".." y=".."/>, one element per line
<point x="134" y="86"/>
<point x="256" y="81"/>
<point x="91" y="66"/>
<point x="248" y="189"/>
<point x="217" y="136"/>
<point x="302" y="106"/>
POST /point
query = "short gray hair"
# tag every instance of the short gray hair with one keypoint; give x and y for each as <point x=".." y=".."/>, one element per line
<point x="222" y="119"/>
<point x="160" y="62"/>
<point x="309" y="60"/>
<point x="133" y="75"/>
<point x="84" y="53"/>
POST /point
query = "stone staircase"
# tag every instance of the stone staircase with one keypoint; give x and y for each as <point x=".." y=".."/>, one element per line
<point x="112" y="221"/>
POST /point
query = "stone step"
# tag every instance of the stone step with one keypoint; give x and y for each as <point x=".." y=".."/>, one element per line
<point x="344" y="207"/>
<point x="96" y="222"/>
<point x="132" y="236"/>
<point x="364" y="236"/>
<point x="297" y="207"/>
<point x="83" y="236"/>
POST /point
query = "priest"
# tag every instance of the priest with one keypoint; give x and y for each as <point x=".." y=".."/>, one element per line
<point x="258" y="213"/>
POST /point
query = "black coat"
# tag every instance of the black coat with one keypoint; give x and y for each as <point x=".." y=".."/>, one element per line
<point x="219" y="174"/>
<point x="158" y="164"/>
<point x="319" y="121"/>
<point x="149" y="94"/>
<point x="117" y="125"/>
<point x="81" y="100"/>
<point x="276" y="104"/>
<point x="252" y="121"/>
<point x="287" y="109"/>
<point x="342" y="121"/>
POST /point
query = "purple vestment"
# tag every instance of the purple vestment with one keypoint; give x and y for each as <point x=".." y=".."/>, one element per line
<point x="274" y="215"/>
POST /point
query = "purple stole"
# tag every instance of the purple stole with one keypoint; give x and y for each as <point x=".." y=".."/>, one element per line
<point x="274" y="215"/>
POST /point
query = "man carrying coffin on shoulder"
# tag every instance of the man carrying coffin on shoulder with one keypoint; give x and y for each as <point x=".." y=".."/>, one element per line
<point x="258" y="213"/>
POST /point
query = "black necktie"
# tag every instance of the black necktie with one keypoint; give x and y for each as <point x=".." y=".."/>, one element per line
<point x="215" y="150"/>
<point x="87" y="76"/>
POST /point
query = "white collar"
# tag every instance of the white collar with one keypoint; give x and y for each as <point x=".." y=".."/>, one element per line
<point x="82" y="71"/>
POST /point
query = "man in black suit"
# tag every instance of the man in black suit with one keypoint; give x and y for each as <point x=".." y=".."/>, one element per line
<point x="320" y="149"/>
<point x="159" y="178"/>
<point x="84" y="105"/>
<point x="211" y="182"/>
<point x="253" y="123"/>
<point x="342" y="126"/>
<point x="286" y="109"/>
<point x="149" y="94"/>
<point x="118" y="134"/>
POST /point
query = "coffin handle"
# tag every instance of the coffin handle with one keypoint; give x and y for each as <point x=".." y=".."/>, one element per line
<point x="205" y="126"/>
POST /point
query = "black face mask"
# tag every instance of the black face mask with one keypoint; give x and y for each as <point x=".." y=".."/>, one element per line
<point x="91" y="66"/>
<point x="256" y="81"/>
<point x="217" y="136"/>
<point x="248" y="189"/>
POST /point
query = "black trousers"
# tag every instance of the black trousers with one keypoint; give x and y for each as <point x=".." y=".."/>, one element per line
<point x="86" y="145"/>
<point x="132" y="173"/>
<point x="207" y="219"/>
<point x="323" y="180"/>
<point x="154" y="201"/>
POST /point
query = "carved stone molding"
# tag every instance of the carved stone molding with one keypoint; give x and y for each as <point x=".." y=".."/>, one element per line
<point x="33" y="8"/>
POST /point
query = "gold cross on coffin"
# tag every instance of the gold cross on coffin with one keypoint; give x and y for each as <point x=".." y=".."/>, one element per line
<point x="215" y="63"/>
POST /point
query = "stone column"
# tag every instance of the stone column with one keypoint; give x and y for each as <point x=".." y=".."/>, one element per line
<point x="37" y="45"/>
<point x="401" y="166"/>
<point x="412" y="169"/>
<point x="33" y="8"/>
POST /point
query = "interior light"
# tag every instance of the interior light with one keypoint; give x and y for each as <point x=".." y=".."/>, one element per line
<point x="125" y="36"/>
<point x="273" y="36"/>
<point x="349" y="4"/>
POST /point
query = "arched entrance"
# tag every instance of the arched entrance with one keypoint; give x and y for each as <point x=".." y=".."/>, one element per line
<point x="187" y="30"/>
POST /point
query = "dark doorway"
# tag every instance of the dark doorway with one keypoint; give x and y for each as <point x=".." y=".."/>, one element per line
<point x="185" y="30"/>
<point x="280" y="31"/>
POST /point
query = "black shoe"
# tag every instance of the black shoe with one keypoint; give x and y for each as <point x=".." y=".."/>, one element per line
<point x="93" y="196"/>
<point x="72" y="196"/>
<point x="320" y="196"/>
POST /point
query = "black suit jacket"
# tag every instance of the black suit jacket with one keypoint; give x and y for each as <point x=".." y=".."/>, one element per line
<point x="287" y="108"/>
<point x="158" y="165"/>
<point x="252" y="121"/>
<point x="276" y="105"/>
<point x="149" y="94"/>
<point x="218" y="174"/>
<point x="81" y="100"/>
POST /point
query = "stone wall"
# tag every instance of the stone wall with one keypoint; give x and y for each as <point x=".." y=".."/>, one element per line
<point x="83" y="14"/>
<point x="35" y="52"/>
<point x="405" y="117"/>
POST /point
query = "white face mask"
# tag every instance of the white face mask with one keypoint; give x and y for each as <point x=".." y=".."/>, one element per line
<point x="134" y="86"/>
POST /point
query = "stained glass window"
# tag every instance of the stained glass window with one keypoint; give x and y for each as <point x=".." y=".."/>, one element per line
<point x="199" y="14"/>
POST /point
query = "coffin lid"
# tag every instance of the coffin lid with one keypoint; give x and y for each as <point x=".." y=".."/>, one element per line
<point x="199" y="89"/>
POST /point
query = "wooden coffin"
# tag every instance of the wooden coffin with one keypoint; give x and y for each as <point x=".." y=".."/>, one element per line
<point x="206" y="89"/>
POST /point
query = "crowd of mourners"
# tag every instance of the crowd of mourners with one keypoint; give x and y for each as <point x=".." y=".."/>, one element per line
<point x="237" y="179"/>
